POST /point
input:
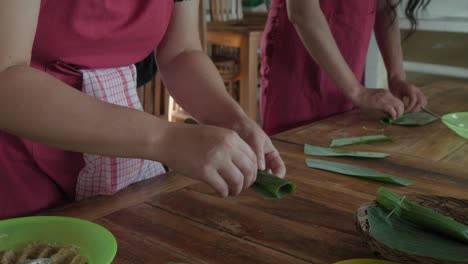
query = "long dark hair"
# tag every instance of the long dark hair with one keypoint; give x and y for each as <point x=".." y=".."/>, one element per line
<point x="411" y="10"/>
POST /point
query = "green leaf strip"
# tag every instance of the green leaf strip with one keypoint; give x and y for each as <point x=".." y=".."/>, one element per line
<point x="333" y="152"/>
<point x="359" y="140"/>
<point x="356" y="171"/>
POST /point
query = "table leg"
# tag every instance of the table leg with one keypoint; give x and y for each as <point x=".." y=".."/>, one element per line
<point x="249" y="76"/>
<point x="147" y="99"/>
<point x="376" y="75"/>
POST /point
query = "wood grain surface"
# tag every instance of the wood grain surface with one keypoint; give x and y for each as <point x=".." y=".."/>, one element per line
<point x="190" y="224"/>
<point x="434" y="141"/>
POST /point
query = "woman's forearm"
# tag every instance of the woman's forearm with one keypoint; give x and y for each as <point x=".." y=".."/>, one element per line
<point x="36" y="106"/>
<point x="313" y="29"/>
<point x="387" y="33"/>
<point x="196" y="85"/>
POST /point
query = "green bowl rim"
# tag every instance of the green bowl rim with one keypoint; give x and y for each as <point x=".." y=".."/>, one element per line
<point x="450" y="124"/>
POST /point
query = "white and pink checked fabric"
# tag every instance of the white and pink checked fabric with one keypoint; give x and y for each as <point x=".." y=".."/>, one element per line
<point x="107" y="175"/>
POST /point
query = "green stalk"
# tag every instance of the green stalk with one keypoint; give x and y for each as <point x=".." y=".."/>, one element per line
<point x="266" y="185"/>
<point x="422" y="216"/>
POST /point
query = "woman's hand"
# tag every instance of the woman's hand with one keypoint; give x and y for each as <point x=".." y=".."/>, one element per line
<point x="378" y="99"/>
<point x="216" y="156"/>
<point x="268" y="157"/>
<point x="411" y="95"/>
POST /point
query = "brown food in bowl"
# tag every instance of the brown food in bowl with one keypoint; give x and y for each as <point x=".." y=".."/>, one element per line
<point x="35" y="250"/>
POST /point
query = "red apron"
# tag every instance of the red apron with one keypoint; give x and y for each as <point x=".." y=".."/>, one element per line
<point x="88" y="34"/>
<point x="295" y="90"/>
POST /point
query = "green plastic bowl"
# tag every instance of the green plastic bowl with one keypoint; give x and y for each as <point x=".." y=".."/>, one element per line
<point x="95" y="242"/>
<point x="458" y="122"/>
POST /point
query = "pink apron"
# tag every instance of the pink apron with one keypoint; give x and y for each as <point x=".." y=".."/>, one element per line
<point x="295" y="90"/>
<point x="85" y="34"/>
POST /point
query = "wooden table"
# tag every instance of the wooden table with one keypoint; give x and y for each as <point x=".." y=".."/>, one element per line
<point x="247" y="38"/>
<point x="173" y="218"/>
<point x="434" y="142"/>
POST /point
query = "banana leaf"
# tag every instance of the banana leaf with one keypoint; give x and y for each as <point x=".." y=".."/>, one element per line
<point x="422" y="216"/>
<point x="272" y="187"/>
<point x="356" y="171"/>
<point x="411" y="119"/>
<point x="190" y="121"/>
<point x="266" y="185"/>
<point x="359" y="140"/>
<point x="406" y="237"/>
<point x="333" y="152"/>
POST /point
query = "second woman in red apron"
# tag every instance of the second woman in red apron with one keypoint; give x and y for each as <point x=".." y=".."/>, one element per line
<point x="314" y="55"/>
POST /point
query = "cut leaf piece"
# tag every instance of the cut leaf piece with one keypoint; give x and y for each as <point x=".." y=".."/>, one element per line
<point x="422" y="216"/>
<point x="356" y="171"/>
<point x="272" y="187"/>
<point x="411" y="119"/>
<point x="406" y="237"/>
<point x="190" y="121"/>
<point x="332" y="152"/>
<point x="359" y="140"/>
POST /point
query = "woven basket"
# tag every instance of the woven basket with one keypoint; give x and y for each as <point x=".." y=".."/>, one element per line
<point x="455" y="208"/>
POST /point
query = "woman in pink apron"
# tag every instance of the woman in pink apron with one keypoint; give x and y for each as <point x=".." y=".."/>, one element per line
<point x="313" y="62"/>
<point x="67" y="89"/>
